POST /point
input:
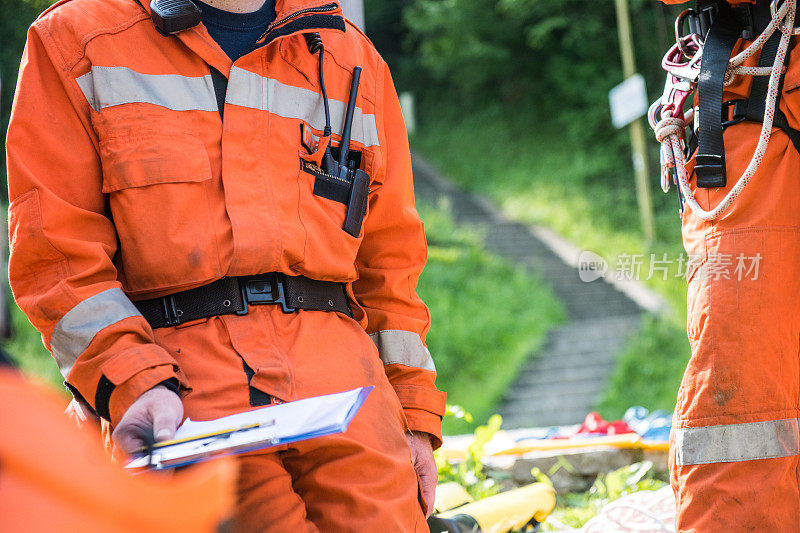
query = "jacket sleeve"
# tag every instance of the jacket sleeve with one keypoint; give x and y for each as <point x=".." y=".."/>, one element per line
<point x="390" y="260"/>
<point x="62" y="243"/>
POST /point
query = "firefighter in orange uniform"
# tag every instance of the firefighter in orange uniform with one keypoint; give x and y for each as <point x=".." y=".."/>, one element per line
<point x="188" y="244"/>
<point x="735" y="445"/>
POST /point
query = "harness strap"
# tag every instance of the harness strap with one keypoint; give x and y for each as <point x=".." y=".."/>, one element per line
<point x="710" y="160"/>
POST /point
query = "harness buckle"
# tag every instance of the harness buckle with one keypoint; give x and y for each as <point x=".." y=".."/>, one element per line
<point x="703" y="19"/>
<point x="260" y="290"/>
<point x="738" y="115"/>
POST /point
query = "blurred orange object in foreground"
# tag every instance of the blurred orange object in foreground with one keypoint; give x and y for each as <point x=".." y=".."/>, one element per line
<point x="56" y="477"/>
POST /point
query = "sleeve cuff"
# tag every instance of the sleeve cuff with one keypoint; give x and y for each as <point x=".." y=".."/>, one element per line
<point x="126" y="393"/>
<point x="122" y="378"/>
<point x="421" y="397"/>
<point x="426" y="422"/>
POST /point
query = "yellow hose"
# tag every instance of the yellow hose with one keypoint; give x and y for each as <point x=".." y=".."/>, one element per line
<point x="507" y="511"/>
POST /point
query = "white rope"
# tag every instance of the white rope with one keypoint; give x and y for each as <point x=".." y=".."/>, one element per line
<point x="643" y="511"/>
<point x="670" y="131"/>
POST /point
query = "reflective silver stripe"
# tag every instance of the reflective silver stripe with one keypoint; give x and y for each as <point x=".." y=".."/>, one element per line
<point x="110" y="86"/>
<point x="75" y="331"/>
<point x="737" y="442"/>
<point x="248" y="89"/>
<point x="402" y="347"/>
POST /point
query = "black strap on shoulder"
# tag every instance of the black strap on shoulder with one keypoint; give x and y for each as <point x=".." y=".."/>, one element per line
<point x="220" y="83"/>
<point x="710" y="160"/>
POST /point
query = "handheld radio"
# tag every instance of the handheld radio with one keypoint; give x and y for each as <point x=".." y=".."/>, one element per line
<point x="173" y="16"/>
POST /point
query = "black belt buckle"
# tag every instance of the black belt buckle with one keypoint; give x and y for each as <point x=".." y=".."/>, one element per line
<point x="260" y="290"/>
<point x="703" y="19"/>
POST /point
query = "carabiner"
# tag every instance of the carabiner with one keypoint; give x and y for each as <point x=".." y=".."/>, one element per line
<point x="673" y="61"/>
<point x="679" y="31"/>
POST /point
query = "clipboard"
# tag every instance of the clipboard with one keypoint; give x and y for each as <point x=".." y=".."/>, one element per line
<point x="253" y="430"/>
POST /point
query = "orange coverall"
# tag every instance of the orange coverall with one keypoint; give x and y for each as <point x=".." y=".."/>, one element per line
<point x="125" y="183"/>
<point x="735" y="445"/>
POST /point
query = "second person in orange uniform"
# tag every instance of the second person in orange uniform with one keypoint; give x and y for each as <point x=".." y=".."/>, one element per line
<point x="735" y="444"/>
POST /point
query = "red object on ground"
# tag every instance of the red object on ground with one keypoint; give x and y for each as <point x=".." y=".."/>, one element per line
<point x="594" y="424"/>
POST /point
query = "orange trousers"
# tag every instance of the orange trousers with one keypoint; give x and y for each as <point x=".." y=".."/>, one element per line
<point x="361" y="480"/>
<point x="735" y="441"/>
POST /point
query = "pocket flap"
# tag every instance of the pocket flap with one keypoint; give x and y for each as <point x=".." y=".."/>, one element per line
<point x="138" y="162"/>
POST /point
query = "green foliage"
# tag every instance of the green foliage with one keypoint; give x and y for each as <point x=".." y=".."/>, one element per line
<point x="482" y="331"/>
<point x="559" y="57"/>
<point x="574" y="510"/>
<point x="469" y="473"/>
<point x="27" y="350"/>
<point x="584" y="192"/>
<point x="15" y="17"/>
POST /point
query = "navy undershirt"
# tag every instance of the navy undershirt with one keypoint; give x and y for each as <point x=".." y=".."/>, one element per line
<point x="236" y="33"/>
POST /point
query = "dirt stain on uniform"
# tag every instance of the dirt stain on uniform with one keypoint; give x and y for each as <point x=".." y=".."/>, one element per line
<point x="195" y="258"/>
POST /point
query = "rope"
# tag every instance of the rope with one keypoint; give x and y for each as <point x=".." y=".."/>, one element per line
<point x="670" y="131"/>
<point x="640" y="512"/>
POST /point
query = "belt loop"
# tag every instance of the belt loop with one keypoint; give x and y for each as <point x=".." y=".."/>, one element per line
<point x="242" y="282"/>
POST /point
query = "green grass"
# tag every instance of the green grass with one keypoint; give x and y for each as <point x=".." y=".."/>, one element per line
<point x="585" y="192"/>
<point x="481" y="332"/>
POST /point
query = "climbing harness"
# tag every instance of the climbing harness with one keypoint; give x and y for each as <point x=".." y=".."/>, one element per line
<point x="701" y="61"/>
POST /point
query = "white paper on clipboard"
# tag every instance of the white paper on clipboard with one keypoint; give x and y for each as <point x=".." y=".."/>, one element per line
<point x="257" y="429"/>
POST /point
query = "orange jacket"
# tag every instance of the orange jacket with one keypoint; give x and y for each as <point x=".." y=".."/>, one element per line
<point x="125" y="183"/>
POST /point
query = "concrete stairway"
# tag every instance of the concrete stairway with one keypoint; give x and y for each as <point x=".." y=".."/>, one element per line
<point x="563" y="382"/>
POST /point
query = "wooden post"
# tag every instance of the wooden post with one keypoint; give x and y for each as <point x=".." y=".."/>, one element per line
<point x="638" y="141"/>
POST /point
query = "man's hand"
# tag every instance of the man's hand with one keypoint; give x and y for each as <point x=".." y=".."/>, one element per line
<point x="425" y="465"/>
<point x="155" y="415"/>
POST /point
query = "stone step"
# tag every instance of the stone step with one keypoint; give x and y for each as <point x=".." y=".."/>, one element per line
<point x="586" y="386"/>
<point x="528" y="418"/>
<point x="546" y="403"/>
<point x="544" y="419"/>
<point x="536" y="377"/>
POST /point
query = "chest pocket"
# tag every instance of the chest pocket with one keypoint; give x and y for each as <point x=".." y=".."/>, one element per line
<point x="158" y="193"/>
<point x="324" y="202"/>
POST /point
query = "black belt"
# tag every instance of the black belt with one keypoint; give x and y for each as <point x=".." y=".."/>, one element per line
<point x="234" y="295"/>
